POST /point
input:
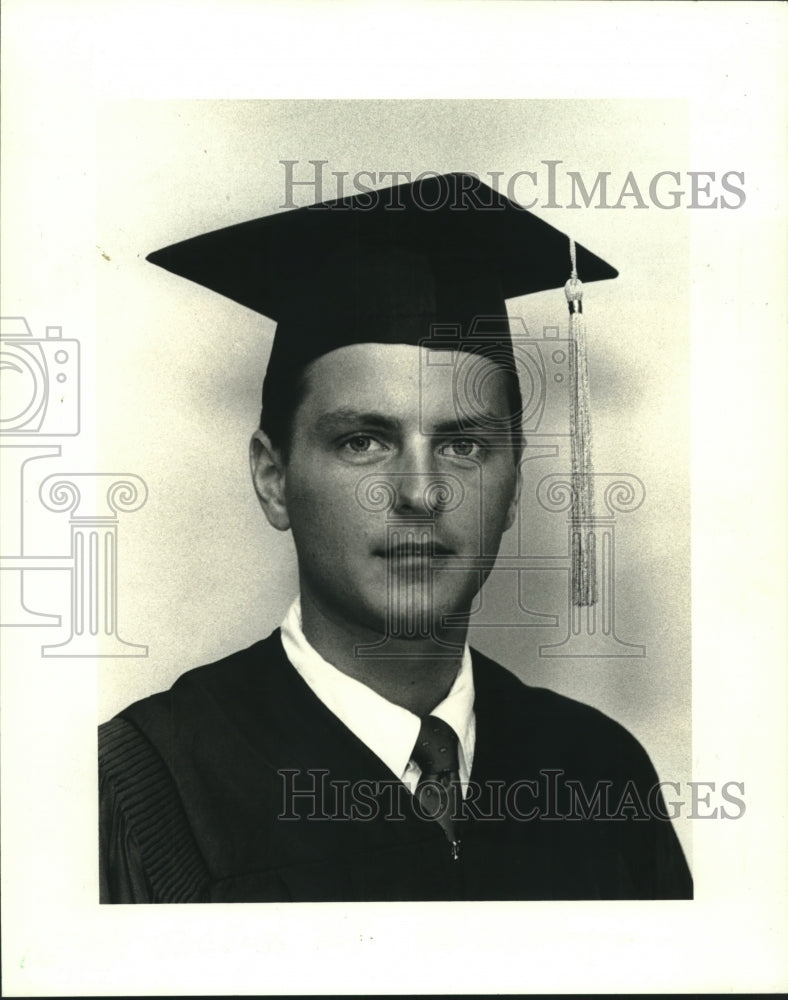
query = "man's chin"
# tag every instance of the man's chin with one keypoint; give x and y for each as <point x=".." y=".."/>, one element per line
<point x="410" y="638"/>
<point x="409" y="611"/>
<point x="414" y="617"/>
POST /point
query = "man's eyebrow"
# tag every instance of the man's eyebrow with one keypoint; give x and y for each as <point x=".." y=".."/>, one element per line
<point x="467" y="425"/>
<point x="338" y="420"/>
<point x="345" y="417"/>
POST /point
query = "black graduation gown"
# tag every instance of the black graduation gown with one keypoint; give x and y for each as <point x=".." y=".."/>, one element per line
<point x="194" y="782"/>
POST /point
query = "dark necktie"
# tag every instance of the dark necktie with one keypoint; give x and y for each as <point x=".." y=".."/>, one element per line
<point x="438" y="793"/>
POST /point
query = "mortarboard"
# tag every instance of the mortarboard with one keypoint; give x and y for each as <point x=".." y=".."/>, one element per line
<point x="391" y="265"/>
<point x="382" y="266"/>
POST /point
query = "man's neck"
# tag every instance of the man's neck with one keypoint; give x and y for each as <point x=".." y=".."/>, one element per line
<point x="415" y="674"/>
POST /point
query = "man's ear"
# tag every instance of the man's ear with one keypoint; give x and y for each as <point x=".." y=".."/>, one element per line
<point x="511" y="514"/>
<point x="268" y="476"/>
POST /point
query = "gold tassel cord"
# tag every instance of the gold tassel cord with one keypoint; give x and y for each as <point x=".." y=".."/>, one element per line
<point x="584" y="591"/>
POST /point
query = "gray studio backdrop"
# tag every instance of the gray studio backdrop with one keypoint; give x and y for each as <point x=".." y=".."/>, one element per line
<point x="179" y="370"/>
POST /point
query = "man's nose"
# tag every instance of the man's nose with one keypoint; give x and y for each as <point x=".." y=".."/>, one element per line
<point x="411" y="492"/>
<point x="419" y="489"/>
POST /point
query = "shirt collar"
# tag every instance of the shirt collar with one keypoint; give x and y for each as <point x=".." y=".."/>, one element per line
<point x="389" y="730"/>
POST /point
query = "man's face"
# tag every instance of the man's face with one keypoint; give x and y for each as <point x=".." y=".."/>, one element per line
<point x="380" y="480"/>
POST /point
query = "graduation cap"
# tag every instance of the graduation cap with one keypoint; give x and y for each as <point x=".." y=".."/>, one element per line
<point x="391" y="266"/>
<point x="383" y="266"/>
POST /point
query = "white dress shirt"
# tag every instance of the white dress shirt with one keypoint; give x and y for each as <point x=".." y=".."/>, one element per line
<point x="388" y="730"/>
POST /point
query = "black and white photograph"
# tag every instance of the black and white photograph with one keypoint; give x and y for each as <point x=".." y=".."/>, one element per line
<point x="391" y="526"/>
<point x="397" y="452"/>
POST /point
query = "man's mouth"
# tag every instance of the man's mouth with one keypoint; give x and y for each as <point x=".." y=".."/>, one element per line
<point x="413" y="549"/>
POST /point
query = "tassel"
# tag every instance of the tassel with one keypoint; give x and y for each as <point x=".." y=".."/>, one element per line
<point x="582" y="513"/>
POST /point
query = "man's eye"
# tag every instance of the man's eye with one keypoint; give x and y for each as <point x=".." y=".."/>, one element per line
<point x="460" y="448"/>
<point x="362" y="444"/>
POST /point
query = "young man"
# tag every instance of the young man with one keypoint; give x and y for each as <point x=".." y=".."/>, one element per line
<point x="363" y="751"/>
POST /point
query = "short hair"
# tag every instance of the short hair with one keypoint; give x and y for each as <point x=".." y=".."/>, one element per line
<point x="282" y="397"/>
